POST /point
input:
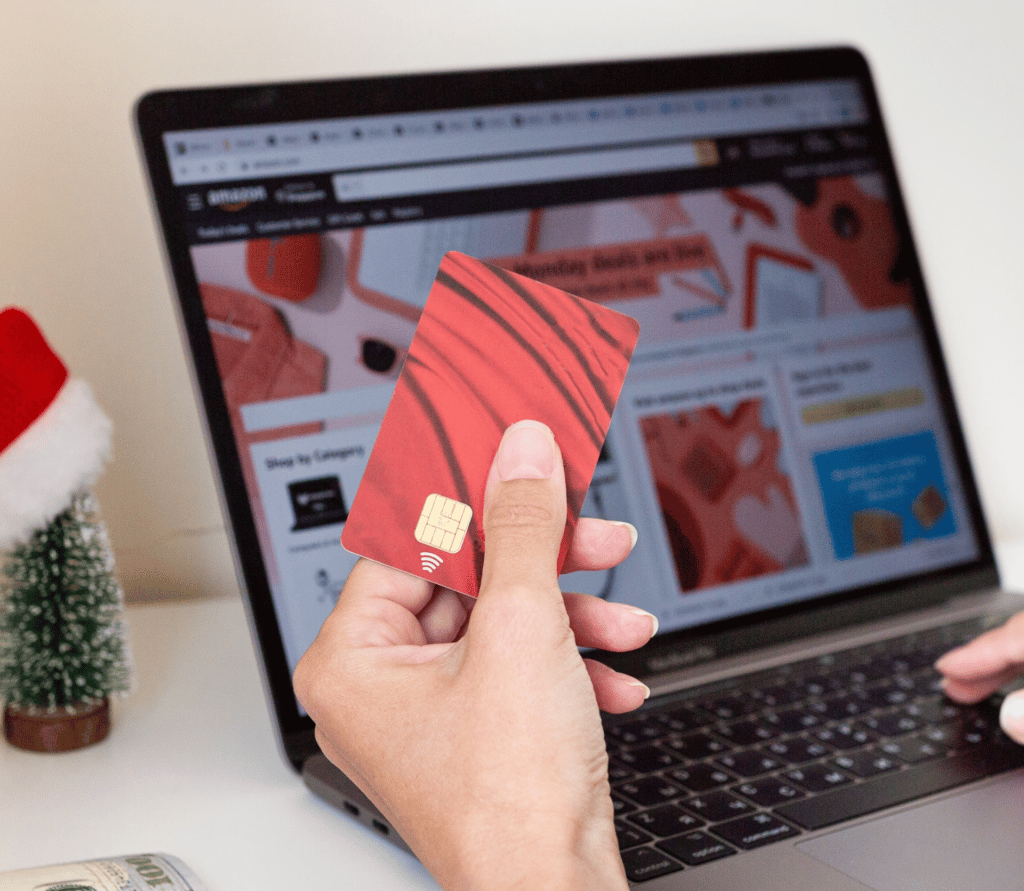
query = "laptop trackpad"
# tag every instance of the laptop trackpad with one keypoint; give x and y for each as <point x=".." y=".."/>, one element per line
<point x="973" y="840"/>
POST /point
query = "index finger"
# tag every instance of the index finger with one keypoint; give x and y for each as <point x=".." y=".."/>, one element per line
<point x="379" y="606"/>
<point x="988" y="661"/>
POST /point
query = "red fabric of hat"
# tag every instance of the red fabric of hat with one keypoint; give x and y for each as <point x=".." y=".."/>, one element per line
<point x="54" y="437"/>
<point x="31" y="374"/>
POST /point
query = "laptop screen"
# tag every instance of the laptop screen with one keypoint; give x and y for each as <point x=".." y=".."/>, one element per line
<point x="785" y="432"/>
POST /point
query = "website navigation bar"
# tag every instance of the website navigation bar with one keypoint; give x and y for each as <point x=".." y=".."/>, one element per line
<point x="281" y="205"/>
<point x="355" y="144"/>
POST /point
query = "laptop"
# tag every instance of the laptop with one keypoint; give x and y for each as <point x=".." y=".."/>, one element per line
<point x="787" y="442"/>
<point x="317" y="502"/>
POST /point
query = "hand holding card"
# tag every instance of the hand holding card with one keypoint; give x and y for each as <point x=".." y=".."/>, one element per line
<point x="491" y="348"/>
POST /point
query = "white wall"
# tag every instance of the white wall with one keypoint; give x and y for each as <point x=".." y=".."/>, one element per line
<point x="78" y="246"/>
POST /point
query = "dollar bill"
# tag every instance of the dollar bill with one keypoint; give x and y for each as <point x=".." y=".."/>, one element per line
<point x="137" y="872"/>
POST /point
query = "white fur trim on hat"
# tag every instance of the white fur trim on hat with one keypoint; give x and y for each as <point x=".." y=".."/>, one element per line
<point x="60" y="452"/>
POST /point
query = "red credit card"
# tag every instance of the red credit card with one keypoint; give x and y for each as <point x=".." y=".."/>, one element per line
<point x="491" y="348"/>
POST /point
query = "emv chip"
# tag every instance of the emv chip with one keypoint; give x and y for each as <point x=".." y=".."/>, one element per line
<point x="443" y="523"/>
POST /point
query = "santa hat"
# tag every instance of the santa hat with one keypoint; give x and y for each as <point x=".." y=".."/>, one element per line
<point x="54" y="437"/>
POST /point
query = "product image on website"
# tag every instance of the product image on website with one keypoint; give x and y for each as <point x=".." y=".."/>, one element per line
<point x="884" y="494"/>
<point x="728" y="508"/>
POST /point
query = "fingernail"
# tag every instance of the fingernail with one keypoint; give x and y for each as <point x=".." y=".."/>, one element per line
<point x="526" y="452"/>
<point x="633" y="535"/>
<point x="636" y="611"/>
<point x="647" y="690"/>
<point x="1011" y="717"/>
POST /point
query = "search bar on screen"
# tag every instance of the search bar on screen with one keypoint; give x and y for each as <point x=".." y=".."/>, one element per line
<point x="467" y="175"/>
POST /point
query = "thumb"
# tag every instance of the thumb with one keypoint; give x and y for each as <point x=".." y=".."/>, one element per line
<point x="524" y="511"/>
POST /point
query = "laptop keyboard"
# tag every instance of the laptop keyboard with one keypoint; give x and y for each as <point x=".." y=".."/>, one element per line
<point x="772" y="755"/>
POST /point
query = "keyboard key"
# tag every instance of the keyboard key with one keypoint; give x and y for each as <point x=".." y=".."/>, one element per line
<point x="621" y="734"/>
<point x="971" y="728"/>
<point x="618" y="772"/>
<point x="792" y="720"/>
<point x="751" y="763"/>
<point x="945" y="736"/>
<point x="629" y="836"/>
<point x="643" y="864"/>
<point x="665" y="820"/>
<point x="968" y="739"/>
<point x="635" y="732"/>
<point x="895" y="665"/>
<point x="701" y="777"/>
<point x="925" y="657"/>
<point x="696" y="848"/>
<point x="900" y="787"/>
<point x="838" y="708"/>
<point x="716" y="806"/>
<point x="730" y="707"/>
<point x="647" y="759"/>
<point x="934" y="710"/>
<point x="895" y="723"/>
<point x="755" y="830"/>
<point x="649" y="791"/>
<point x="798" y="750"/>
<point x="844" y="736"/>
<point x="779" y="695"/>
<point x="695" y="746"/>
<point x="685" y="719"/>
<point x="818" y="777"/>
<point x="820" y="685"/>
<point x="747" y="732"/>
<point x="868" y="672"/>
<point x="913" y="749"/>
<point x="920" y="683"/>
<point x="962" y="735"/>
<point x="866" y="763"/>
<point x="621" y="806"/>
<point x="768" y="791"/>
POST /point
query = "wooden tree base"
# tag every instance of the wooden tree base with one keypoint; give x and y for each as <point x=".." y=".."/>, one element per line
<point x="59" y="731"/>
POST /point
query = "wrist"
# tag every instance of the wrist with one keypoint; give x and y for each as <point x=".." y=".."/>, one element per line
<point x="537" y="853"/>
<point x="543" y="870"/>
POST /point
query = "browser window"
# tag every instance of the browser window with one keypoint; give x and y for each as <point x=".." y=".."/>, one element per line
<point x="779" y="436"/>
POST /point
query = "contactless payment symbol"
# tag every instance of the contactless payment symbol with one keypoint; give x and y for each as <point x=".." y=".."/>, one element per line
<point x="429" y="561"/>
<point x="443" y="523"/>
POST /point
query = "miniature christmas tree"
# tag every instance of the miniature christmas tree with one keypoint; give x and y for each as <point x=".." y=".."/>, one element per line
<point x="62" y="642"/>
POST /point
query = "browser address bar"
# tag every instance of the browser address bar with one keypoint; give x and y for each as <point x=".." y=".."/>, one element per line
<point x="466" y="175"/>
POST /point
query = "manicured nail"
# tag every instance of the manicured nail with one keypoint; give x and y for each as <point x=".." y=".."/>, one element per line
<point x="526" y="452"/>
<point x="647" y="690"/>
<point x="636" y="611"/>
<point x="633" y="535"/>
<point x="1011" y="717"/>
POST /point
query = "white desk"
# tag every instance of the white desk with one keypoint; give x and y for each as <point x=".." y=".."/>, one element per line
<point x="191" y="769"/>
